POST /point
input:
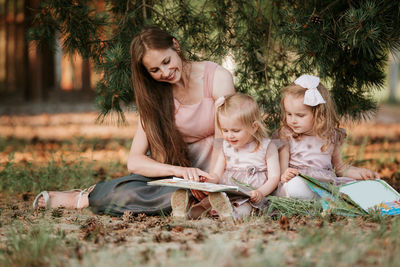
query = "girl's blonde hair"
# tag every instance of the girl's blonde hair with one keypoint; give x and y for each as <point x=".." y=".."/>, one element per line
<point x="326" y="120"/>
<point x="245" y="109"/>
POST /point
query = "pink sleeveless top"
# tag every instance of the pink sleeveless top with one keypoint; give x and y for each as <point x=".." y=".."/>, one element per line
<point x="197" y="122"/>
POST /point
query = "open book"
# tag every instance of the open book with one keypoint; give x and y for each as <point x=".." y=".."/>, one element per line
<point x="209" y="187"/>
<point x="359" y="197"/>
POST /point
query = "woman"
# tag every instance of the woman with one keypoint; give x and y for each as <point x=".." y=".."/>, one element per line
<point x="175" y="100"/>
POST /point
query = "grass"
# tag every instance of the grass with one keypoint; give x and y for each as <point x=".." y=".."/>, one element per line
<point x="38" y="245"/>
<point x="344" y="242"/>
<point x="53" y="175"/>
<point x="63" y="166"/>
<point x="291" y="233"/>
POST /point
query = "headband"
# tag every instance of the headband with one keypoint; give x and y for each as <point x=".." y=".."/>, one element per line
<point x="312" y="96"/>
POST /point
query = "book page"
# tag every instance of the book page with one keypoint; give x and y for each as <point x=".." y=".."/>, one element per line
<point x="209" y="187"/>
<point x="369" y="193"/>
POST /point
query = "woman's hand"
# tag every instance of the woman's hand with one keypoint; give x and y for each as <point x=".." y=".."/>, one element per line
<point x="196" y="175"/>
<point x="289" y="174"/>
<point x="255" y="196"/>
<point x="192" y="174"/>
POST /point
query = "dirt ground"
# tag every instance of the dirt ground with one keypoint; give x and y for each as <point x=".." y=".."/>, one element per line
<point x="93" y="240"/>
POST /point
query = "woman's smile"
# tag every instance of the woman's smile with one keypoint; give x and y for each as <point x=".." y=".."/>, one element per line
<point x="171" y="77"/>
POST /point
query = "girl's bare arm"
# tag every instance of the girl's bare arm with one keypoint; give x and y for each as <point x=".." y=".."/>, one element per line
<point x="286" y="172"/>
<point x="218" y="168"/>
<point x="272" y="160"/>
<point x="222" y="86"/>
<point x="346" y="170"/>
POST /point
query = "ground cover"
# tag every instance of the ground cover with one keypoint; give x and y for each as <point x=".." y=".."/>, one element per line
<point x="60" y="152"/>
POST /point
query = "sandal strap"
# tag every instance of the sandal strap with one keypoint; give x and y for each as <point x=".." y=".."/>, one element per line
<point x="86" y="190"/>
<point x="46" y="198"/>
<point x="80" y="197"/>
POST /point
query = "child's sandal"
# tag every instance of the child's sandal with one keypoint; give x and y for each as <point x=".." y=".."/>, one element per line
<point x="220" y="202"/>
<point x="179" y="203"/>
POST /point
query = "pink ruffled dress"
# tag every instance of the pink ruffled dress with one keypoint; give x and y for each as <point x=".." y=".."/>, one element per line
<point x="247" y="166"/>
<point x="306" y="156"/>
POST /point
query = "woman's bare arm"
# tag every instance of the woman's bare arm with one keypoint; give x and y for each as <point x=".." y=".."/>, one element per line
<point x="140" y="163"/>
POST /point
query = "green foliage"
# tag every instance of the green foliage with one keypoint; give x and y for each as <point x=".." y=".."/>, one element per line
<point x="346" y="43"/>
<point x="293" y="207"/>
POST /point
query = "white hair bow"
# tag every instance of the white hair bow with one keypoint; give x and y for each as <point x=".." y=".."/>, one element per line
<point x="312" y="96"/>
<point x="220" y="101"/>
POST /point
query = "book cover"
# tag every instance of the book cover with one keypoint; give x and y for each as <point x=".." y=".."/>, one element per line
<point x="332" y="199"/>
<point x="208" y="187"/>
<point x="389" y="208"/>
<point x="370" y="193"/>
<point x="358" y="197"/>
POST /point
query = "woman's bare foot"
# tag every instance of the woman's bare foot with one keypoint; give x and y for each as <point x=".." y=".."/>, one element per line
<point x="68" y="200"/>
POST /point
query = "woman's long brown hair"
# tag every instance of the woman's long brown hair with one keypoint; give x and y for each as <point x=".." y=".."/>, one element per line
<point x="155" y="101"/>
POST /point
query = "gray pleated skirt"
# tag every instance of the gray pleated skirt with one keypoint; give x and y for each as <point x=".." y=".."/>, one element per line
<point x="130" y="193"/>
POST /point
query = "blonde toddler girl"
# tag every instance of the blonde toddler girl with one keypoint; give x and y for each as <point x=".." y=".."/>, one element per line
<point x="247" y="157"/>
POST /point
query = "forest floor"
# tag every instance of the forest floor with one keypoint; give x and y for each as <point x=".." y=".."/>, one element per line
<point x="42" y="149"/>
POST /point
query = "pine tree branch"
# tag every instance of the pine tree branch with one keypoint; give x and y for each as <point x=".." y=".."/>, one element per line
<point x="161" y="15"/>
<point x="268" y="46"/>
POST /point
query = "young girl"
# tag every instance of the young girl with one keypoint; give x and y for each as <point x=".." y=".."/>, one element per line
<point x="247" y="156"/>
<point x="311" y="136"/>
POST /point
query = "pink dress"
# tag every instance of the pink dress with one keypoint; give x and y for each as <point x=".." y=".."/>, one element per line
<point x="306" y="156"/>
<point x="197" y="122"/>
<point x="247" y="166"/>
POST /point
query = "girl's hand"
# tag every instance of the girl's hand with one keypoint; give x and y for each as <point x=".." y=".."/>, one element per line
<point x="366" y="174"/>
<point x="213" y="180"/>
<point x="202" y="194"/>
<point x="255" y="196"/>
<point x="199" y="195"/>
<point x="289" y="174"/>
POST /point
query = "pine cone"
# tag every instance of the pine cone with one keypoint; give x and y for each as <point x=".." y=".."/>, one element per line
<point x="316" y="19"/>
